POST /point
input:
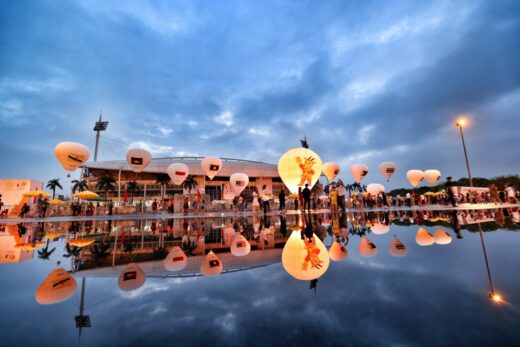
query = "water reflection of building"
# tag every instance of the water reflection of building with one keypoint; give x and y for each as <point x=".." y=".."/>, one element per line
<point x="9" y="238"/>
<point x="259" y="174"/>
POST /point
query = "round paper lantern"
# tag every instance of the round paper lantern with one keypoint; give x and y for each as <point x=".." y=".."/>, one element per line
<point x="441" y="237"/>
<point x="387" y="169"/>
<point x="379" y="229"/>
<point x="178" y="172"/>
<point x="366" y="248"/>
<point x="338" y="252"/>
<point x="359" y="171"/>
<point x="131" y="278"/>
<point x="375" y="188"/>
<point x="138" y="159"/>
<point x="211" y="166"/>
<point x="303" y="259"/>
<point x="211" y="265"/>
<point x="238" y="182"/>
<point x="397" y="248"/>
<point x="432" y="176"/>
<point x="415" y="177"/>
<point x="240" y="246"/>
<point x="71" y="155"/>
<point x="331" y="170"/>
<point x="57" y="287"/>
<point x="424" y="238"/>
<point x="176" y="260"/>
<point x="299" y="166"/>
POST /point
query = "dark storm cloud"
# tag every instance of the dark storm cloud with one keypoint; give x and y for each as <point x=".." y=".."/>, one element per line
<point x="364" y="81"/>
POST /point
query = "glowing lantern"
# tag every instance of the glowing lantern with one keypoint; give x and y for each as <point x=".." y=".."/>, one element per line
<point x="176" y="260"/>
<point x="338" y="252"/>
<point x="366" y="248"/>
<point x="299" y="166"/>
<point x="379" y="229"/>
<point x="305" y="260"/>
<point x="424" y="238"/>
<point x="211" y="166"/>
<point x="240" y="246"/>
<point x="131" y="278"/>
<point x="442" y="237"/>
<point x="57" y="287"/>
<point x="387" y="169"/>
<point x="331" y="170"/>
<point x="415" y="177"/>
<point x="211" y="265"/>
<point x="178" y="172"/>
<point x="397" y="248"/>
<point x="432" y="176"/>
<point x="238" y="182"/>
<point x="71" y="155"/>
<point x="138" y="159"/>
<point x="375" y="188"/>
<point x="359" y="171"/>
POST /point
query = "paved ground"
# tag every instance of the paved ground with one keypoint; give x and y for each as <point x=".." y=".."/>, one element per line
<point x="249" y="213"/>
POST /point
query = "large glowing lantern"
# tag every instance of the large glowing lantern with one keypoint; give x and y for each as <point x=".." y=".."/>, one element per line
<point x="176" y="260"/>
<point x="211" y="265"/>
<point x="338" y="252"/>
<point x="299" y="166"/>
<point x="240" y="246"/>
<point x="415" y="177"/>
<point x="387" y="169"/>
<point x="211" y="166"/>
<point x="424" y="238"/>
<point x="375" y="188"/>
<point x="238" y="182"/>
<point x="71" y="155"/>
<point x="57" y="287"/>
<point x="397" y="248"/>
<point x="178" y="172"/>
<point x="441" y="237"/>
<point x="305" y="260"/>
<point x="359" y="171"/>
<point x="366" y="248"/>
<point x="131" y="278"/>
<point x="331" y="170"/>
<point x="138" y="159"/>
<point x="379" y="229"/>
<point x="432" y="176"/>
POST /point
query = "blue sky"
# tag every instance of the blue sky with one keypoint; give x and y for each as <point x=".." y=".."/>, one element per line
<point x="367" y="81"/>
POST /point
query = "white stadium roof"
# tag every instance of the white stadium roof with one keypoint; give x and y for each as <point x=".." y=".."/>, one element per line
<point x="158" y="165"/>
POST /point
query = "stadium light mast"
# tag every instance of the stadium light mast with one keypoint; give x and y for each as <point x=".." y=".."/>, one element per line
<point x="98" y="128"/>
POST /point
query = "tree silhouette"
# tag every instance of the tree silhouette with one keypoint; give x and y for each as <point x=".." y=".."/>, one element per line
<point x="79" y="186"/>
<point x="53" y="185"/>
<point x="44" y="253"/>
<point x="106" y="183"/>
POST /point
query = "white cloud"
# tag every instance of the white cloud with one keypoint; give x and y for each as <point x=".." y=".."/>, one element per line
<point x="164" y="130"/>
<point x="259" y="131"/>
<point x="225" y="118"/>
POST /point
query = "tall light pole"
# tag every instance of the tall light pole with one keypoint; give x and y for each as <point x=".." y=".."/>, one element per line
<point x="99" y="127"/>
<point x="497" y="298"/>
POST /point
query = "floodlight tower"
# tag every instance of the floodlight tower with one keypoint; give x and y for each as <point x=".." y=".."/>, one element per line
<point x="98" y="128"/>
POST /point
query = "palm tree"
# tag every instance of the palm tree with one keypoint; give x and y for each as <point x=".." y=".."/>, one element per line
<point x="106" y="183"/>
<point x="162" y="179"/>
<point x="132" y="188"/>
<point x="99" y="251"/>
<point x="72" y="251"/>
<point x="189" y="183"/>
<point x="53" y="184"/>
<point x="188" y="247"/>
<point x="160" y="253"/>
<point x="79" y="186"/>
<point x="44" y="253"/>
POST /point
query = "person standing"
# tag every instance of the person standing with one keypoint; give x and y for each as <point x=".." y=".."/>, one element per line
<point x="256" y="204"/>
<point x="281" y="198"/>
<point x="306" y="194"/>
<point x="450" y="189"/>
<point x="265" y="198"/>
<point x="511" y="196"/>
<point x="341" y="195"/>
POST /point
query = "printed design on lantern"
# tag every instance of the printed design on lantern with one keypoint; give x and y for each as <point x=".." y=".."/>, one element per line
<point x="307" y="171"/>
<point x="312" y="255"/>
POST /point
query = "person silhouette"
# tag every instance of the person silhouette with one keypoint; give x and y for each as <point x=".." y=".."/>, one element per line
<point x="306" y="193"/>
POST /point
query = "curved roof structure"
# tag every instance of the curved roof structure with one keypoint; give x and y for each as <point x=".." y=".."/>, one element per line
<point x="158" y="165"/>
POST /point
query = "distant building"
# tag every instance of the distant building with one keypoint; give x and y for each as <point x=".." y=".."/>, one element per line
<point x="259" y="174"/>
<point x="12" y="190"/>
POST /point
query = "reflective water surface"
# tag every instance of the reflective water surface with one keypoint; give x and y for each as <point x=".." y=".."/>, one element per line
<point x="406" y="278"/>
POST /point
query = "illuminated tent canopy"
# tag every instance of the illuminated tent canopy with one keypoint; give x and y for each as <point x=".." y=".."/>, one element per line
<point x="176" y="260"/>
<point x="178" y="172"/>
<point x="57" y="287"/>
<point x="71" y="155"/>
<point x="331" y="170"/>
<point x="131" y="278"/>
<point x="359" y="171"/>
<point x="138" y="159"/>
<point x="306" y="259"/>
<point x="211" y="166"/>
<point x="299" y="166"/>
<point x="387" y="169"/>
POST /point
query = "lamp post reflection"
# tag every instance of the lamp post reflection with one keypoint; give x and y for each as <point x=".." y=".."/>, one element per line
<point x="497" y="298"/>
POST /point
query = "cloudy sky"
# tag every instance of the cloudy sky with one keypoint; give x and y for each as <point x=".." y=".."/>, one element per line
<point x="364" y="81"/>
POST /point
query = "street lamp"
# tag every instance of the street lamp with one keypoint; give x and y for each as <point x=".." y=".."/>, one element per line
<point x="460" y="124"/>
